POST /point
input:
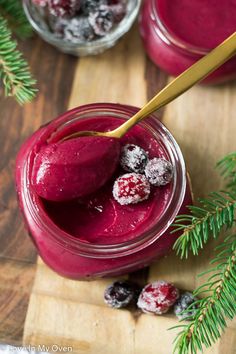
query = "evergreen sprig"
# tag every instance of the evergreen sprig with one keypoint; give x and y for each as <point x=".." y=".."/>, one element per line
<point x="13" y="12"/>
<point x="205" y="221"/>
<point x="213" y="311"/>
<point x="14" y="70"/>
<point x="227" y="166"/>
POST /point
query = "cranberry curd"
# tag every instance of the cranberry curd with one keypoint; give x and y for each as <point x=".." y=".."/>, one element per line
<point x="177" y="33"/>
<point x="94" y="235"/>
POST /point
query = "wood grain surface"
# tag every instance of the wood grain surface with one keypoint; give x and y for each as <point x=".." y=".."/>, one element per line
<point x="54" y="73"/>
<point x="72" y="313"/>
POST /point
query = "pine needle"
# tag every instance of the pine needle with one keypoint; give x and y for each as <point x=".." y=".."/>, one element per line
<point x="204" y="222"/>
<point x="13" y="12"/>
<point x="14" y="70"/>
<point x="213" y="311"/>
<point x="227" y="166"/>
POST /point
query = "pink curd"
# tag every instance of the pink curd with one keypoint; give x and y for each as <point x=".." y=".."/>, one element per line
<point x="93" y="235"/>
<point x="75" y="167"/>
<point x="177" y="33"/>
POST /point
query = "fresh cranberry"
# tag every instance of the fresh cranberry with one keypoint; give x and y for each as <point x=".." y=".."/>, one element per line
<point x="159" y="171"/>
<point x="133" y="158"/>
<point x="131" y="188"/>
<point x="158" y="297"/>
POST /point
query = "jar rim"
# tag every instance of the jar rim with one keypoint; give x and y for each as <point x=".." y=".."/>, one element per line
<point x="39" y="215"/>
<point x="170" y="38"/>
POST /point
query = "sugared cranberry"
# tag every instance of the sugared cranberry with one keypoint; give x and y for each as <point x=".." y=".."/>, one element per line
<point x="158" y="297"/>
<point x="184" y="301"/>
<point x="133" y="158"/>
<point x="74" y="30"/>
<point x="102" y="20"/>
<point x="159" y="171"/>
<point x="131" y="188"/>
<point x="118" y="11"/>
<point x="88" y="6"/>
<point x="63" y="7"/>
<point x="121" y="294"/>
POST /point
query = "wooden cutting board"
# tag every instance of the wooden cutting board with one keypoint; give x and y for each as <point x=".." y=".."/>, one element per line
<point x="72" y="313"/>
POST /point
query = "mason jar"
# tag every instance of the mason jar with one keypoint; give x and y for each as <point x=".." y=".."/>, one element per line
<point x="178" y="33"/>
<point x="65" y="249"/>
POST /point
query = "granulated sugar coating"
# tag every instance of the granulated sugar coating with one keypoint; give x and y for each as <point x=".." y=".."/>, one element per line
<point x="180" y="309"/>
<point x="102" y="20"/>
<point x="157" y="297"/>
<point x="159" y="171"/>
<point x="133" y="158"/>
<point x="131" y="188"/>
<point x="121" y="294"/>
<point x="63" y="7"/>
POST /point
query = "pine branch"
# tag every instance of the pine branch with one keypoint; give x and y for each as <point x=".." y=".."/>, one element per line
<point x="213" y="311"/>
<point x="227" y="166"/>
<point x="14" y="70"/>
<point x="205" y="221"/>
<point x="13" y="12"/>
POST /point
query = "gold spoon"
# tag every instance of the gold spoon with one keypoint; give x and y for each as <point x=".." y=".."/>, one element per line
<point x="175" y="88"/>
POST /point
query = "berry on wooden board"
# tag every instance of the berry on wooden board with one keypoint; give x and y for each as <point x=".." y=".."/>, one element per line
<point x="185" y="300"/>
<point x="121" y="294"/>
<point x="157" y="297"/>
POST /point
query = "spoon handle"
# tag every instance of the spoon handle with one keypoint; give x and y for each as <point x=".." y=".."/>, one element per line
<point x="183" y="82"/>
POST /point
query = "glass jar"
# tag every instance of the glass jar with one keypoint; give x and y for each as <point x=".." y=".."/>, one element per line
<point x="72" y="257"/>
<point x="176" y="46"/>
<point x="38" y="21"/>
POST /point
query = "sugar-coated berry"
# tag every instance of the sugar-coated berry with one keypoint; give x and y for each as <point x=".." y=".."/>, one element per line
<point x="74" y="30"/>
<point x="157" y="297"/>
<point x="181" y="305"/>
<point x="131" y="188"/>
<point x="118" y="11"/>
<point x="88" y="6"/>
<point x="121" y="294"/>
<point x="133" y="158"/>
<point x="101" y="20"/>
<point x="159" y="171"/>
<point x="63" y="8"/>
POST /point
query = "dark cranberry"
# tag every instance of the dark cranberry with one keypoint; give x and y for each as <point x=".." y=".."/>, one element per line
<point x="121" y="294"/>
<point x="131" y="188"/>
<point x="181" y="305"/>
<point x="133" y="158"/>
<point x="74" y="30"/>
<point x="102" y="20"/>
<point x="159" y="171"/>
<point x="157" y="297"/>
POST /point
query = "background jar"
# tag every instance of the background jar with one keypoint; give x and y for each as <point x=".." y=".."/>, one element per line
<point x="39" y="22"/>
<point x="69" y="256"/>
<point x="171" y="53"/>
